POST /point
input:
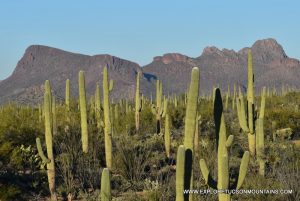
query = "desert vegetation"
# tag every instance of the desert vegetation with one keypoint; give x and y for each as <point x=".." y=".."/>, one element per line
<point x="97" y="148"/>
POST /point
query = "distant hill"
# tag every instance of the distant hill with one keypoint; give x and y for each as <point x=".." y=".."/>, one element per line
<point x="272" y="67"/>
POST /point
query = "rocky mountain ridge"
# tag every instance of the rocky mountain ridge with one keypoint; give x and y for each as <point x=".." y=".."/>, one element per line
<point x="272" y="67"/>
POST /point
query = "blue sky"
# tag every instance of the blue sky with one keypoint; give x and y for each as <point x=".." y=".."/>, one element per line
<point x="139" y="30"/>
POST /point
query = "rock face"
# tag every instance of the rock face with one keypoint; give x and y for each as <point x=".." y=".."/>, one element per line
<point x="272" y="67"/>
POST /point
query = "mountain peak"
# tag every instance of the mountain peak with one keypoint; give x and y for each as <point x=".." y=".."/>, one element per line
<point x="268" y="49"/>
<point x="171" y="57"/>
<point x="211" y="49"/>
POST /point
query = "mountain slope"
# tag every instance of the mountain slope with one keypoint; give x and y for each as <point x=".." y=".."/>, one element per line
<point x="40" y="63"/>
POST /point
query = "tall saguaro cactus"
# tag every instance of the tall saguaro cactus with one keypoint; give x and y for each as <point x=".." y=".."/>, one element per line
<point x="98" y="106"/>
<point x="196" y="138"/>
<point x="224" y="143"/>
<point x="83" y="113"/>
<point x="190" y="125"/>
<point x="167" y="135"/>
<point x="260" y="135"/>
<point x="49" y="159"/>
<point x="67" y="98"/>
<point x="107" y="87"/>
<point x="138" y="103"/>
<point x="250" y="103"/>
<point x="54" y="121"/>
<point x="180" y="173"/>
<point x="158" y="109"/>
<point x="105" y="193"/>
<point x="247" y="120"/>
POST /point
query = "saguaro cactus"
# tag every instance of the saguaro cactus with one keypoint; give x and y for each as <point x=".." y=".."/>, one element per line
<point x="98" y="106"/>
<point x="53" y="110"/>
<point x="167" y="130"/>
<point x="83" y="113"/>
<point x="67" y="98"/>
<point x="247" y="120"/>
<point x="190" y="125"/>
<point x="227" y="98"/>
<point x="180" y="173"/>
<point x="260" y="147"/>
<point x="224" y="143"/>
<point x="49" y="91"/>
<point x="138" y="103"/>
<point x="105" y="193"/>
<point x="40" y="113"/>
<point x="196" y="139"/>
<point x="250" y="102"/>
<point x="107" y="122"/>
<point x="158" y="109"/>
<point x="49" y="159"/>
<point x="234" y="96"/>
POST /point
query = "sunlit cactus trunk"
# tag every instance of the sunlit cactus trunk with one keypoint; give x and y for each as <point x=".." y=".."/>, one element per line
<point x="196" y="138"/>
<point x="260" y="147"/>
<point x="98" y="106"/>
<point x="190" y="125"/>
<point x="250" y="103"/>
<point x="158" y="109"/>
<point x="138" y="103"/>
<point x="180" y="173"/>
<point x="223" y="143"/>
<point x="67" y="98"/>
<point x="49" y="159"/>
<point x="105" y="193"/>
<point x="167" y="135"/>
<point x="54" y="122"/>
<point x="83" y="112"/>
<point x="107" y="87"/>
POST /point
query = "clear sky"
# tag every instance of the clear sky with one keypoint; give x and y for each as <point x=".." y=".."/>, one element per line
<point x="138" y="30"/>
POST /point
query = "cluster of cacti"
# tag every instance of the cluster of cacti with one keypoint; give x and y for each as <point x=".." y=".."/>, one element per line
<point x="107" y="116"/>
<point x="223" y="144"/>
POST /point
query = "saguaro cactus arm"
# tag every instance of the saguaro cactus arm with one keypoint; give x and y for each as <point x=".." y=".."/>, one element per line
<point x="241" y="112"/>
<point x="243" y="169"/>
<point x="229" y="141"/>
<point x="206" y="175"/>
<point x="262" y="103"/>
<point x="40" y="151"/>
<point x="111" y="85"/>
